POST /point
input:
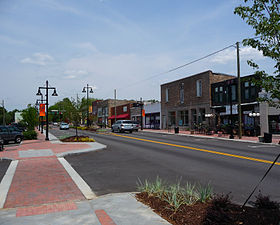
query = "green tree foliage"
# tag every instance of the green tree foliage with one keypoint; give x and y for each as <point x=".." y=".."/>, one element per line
<point x="30" y="117"/>
<point x="264" y="17"/>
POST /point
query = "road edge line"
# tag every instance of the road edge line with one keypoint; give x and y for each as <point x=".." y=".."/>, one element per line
<point x="6" y="182"/>
<point x="78" y="180"/>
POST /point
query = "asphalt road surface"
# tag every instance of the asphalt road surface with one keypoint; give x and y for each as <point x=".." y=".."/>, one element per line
<point x="229" y="167"/>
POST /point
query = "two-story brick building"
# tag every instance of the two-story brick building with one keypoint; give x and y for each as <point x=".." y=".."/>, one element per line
<point x="103" y="109"/>
<point x="185" y="102"/>
<point x="122" y="112"/>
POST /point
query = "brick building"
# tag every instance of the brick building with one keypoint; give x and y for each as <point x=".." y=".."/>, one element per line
<point x="185" y="102"/>
<point x="103" y="109"/>
<point x="122" y="112"/>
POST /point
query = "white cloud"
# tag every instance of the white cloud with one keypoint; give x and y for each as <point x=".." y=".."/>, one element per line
<point x="73" y="74"/>
<point x="41" y="59"/>
<point x="229" y="55"/>
<point x="88" y="46"/>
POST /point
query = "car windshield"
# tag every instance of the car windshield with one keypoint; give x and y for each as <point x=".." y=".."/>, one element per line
<point x="127" y="122"/>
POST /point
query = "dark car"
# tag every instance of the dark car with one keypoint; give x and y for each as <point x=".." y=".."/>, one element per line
<point x="10" y="133"/>
<point x="18" y="126"/>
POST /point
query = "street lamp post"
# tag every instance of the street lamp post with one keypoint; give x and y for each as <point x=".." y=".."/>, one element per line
<point x="47" y="105"/>
<point x="85" y="90"/>
<point x="38" y="102"/>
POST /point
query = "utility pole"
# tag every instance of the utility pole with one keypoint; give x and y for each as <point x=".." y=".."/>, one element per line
<point x="115" y="95"/>
<point x="141" y="112"/>
<point x="239" y="93"/>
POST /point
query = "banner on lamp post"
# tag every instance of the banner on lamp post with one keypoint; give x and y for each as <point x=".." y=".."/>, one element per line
<point x="42" y="110"/>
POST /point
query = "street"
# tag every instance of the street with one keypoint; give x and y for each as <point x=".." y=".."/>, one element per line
<point x="229" y="167"/>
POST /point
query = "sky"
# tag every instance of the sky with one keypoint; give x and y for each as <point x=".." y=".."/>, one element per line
<point x="125" y="45"/>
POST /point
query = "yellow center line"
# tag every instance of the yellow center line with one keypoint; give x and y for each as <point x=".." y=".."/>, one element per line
<point x="200" y="149"/>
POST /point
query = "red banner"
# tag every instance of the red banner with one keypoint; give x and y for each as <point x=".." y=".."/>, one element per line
<point x="143" y="112"/>
<point x="42" y="110"/>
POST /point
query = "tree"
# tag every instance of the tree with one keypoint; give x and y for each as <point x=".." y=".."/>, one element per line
<point x="30" y="117"/>
<point x="264" y="17"/>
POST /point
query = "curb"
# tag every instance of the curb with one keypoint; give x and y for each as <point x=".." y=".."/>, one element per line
<point x="6" y="182"/>
<point x="78" y="180"/>
<point x="95" y="146"/>
<point x="209" y="137"/>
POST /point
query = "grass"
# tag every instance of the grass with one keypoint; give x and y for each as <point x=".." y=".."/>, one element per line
<point x="176" y="194"/>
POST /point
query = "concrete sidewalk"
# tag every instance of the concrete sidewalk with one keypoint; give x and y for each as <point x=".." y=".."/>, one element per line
<point x="275" y="138"/>
<point x="41" y="187"/>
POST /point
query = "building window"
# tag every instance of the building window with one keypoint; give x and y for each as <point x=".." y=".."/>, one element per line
<point x="247" y="91"/>
<point x="182" y="93"/>
<point x="166" y="94"/>
<point x="233" y="93"/>
<point x="221" y="94"/>
<point x="125" y="109"/>
<point x="198" y="88"/>
<point x="194" y="119"/>
<point x="183" y="118"/>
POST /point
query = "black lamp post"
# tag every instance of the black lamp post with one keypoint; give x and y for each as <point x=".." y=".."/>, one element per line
<point x="38" y="102"/>
<point x="85" y="90"/>
<point x="47" y="105"/>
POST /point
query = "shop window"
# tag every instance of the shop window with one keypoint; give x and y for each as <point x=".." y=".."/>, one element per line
<point x="125" y="109"/>
<point x="183" y="118"/>
<point x="193" y="111"/>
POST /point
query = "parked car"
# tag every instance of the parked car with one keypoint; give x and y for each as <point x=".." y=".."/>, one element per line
<point x="136" y="125"/>
<point x="64" y="126"/>
<point x="122" y="126"/>
<point x="1" y="144"/>
<point x="18" y="126"/>
<point x="10" y="133"/>
<point x="55" y="123"/>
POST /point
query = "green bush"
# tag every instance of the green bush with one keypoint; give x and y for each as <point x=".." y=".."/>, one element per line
<point x="30" y="135"/>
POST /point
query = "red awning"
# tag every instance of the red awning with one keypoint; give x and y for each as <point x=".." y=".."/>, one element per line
<point x="121" y="116"/>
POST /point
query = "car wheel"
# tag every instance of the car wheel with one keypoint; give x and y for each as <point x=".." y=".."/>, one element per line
<point x="113" y="130"/>
<point x="130" y="131"/>
<point x="18" y="140"/>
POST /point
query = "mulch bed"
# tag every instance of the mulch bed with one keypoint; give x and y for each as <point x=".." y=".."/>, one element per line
<point x="73" y="139"/>
<point x="209" y="214"/>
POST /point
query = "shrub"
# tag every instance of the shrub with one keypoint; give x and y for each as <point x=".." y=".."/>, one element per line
<point x="264" y="202"/>
<point x="30" y="135"/>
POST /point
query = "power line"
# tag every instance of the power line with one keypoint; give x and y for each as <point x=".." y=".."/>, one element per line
<point x="179" y="67"/>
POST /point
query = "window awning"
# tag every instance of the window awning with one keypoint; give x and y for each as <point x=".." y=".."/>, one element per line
<point x="121" y="116"/>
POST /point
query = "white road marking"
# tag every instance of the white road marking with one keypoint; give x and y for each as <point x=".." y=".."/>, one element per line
<point x="82" y="185"/>
<point x="261" y="146"/>
<point x="6" y="182"/>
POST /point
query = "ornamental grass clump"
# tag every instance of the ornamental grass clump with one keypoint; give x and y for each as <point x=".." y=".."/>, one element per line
<point x="176" y="195"/>
<point x="205" y="193"/>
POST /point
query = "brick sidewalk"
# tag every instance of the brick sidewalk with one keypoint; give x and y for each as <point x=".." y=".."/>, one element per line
<point x="17" y="152"/>
<point x="275" y="139"/>
<point x="39" y="177"/>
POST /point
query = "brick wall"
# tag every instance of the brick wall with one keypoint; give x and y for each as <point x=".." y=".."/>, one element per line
<point x="191" y="100"/>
